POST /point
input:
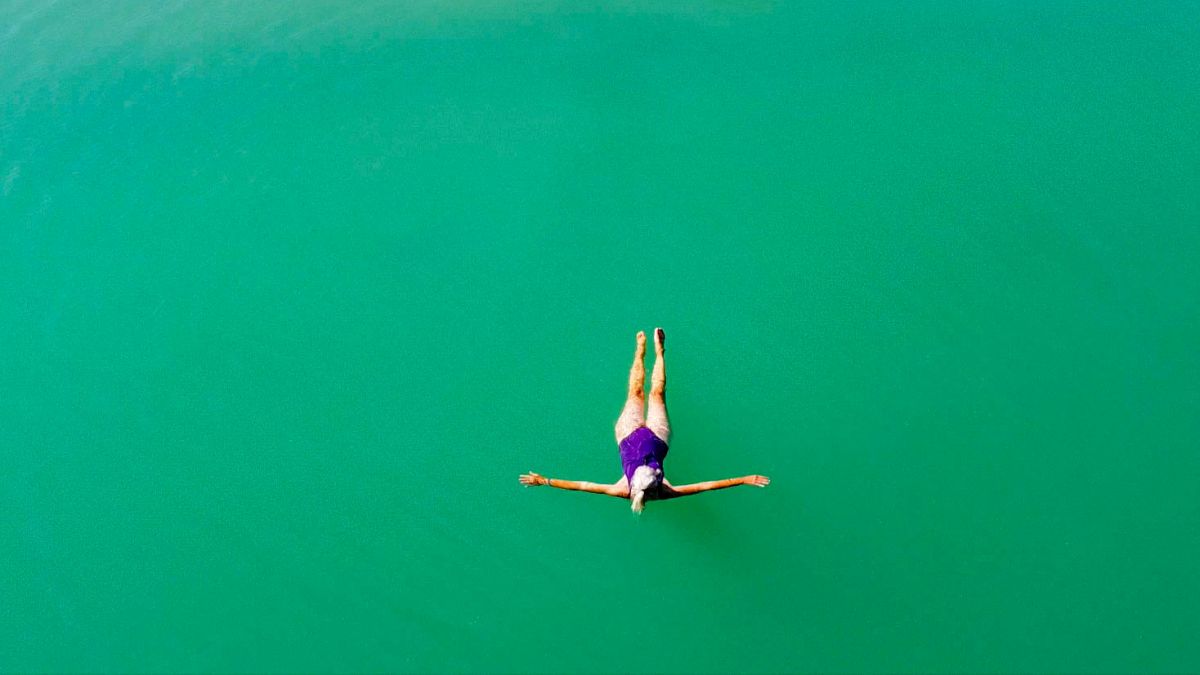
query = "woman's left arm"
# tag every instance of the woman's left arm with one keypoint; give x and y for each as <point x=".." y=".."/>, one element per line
<point x="696" y="488"/>
<point x="614" y="490"/>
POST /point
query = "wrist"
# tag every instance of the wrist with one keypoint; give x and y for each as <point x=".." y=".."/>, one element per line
<point x="547" y="482"/>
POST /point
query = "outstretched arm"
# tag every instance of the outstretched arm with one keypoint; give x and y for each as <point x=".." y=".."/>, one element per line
<point x="618" y="489"/>
<point x="696" y="488"/>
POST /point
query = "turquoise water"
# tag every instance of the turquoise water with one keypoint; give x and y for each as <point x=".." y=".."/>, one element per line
<point x="291" y="293"/>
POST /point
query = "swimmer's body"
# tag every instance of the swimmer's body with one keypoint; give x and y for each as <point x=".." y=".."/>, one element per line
<point x="643" y="436"/>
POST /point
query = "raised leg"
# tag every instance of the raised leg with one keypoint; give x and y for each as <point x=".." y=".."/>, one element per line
<point x="656" y="413"/>
<point x="633" y="415"/>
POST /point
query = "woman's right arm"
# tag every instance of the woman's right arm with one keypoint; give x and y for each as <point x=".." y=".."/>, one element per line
<point x="613" y="490"/>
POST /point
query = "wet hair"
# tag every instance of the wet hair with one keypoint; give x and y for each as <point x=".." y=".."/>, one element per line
<point x="644" y="478"/>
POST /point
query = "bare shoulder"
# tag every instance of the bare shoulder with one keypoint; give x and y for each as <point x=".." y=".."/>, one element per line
<point x="619" y="488"/>
<point x="664" y="491"/>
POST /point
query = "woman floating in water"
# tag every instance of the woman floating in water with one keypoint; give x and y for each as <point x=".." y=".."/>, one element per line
<point x="643" y="438"/>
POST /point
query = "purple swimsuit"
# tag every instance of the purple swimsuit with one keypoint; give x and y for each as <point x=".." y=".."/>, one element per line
<point x="642" y="448"/>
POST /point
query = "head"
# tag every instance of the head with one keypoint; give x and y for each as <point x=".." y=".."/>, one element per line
<point x="645" y="479"/>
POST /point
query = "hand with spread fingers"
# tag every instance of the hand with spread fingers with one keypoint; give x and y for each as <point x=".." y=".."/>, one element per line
<point x="532" y="478"/>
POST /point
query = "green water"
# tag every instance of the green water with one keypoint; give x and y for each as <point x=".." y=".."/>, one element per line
<point x="290" y="293"/>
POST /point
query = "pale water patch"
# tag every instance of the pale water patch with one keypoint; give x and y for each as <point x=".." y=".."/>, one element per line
<point x="10" y="178"/>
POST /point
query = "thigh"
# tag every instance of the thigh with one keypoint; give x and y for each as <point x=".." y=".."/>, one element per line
<point x="631" y="418"/>
<point x="657" y="420"/>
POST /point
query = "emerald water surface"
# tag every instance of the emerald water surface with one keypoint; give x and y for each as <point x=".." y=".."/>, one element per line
<point x="290" y="293"/>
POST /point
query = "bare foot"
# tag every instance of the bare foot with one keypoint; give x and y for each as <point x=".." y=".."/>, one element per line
<point x="660" y="338"/>
<point x="641" y="341"/>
